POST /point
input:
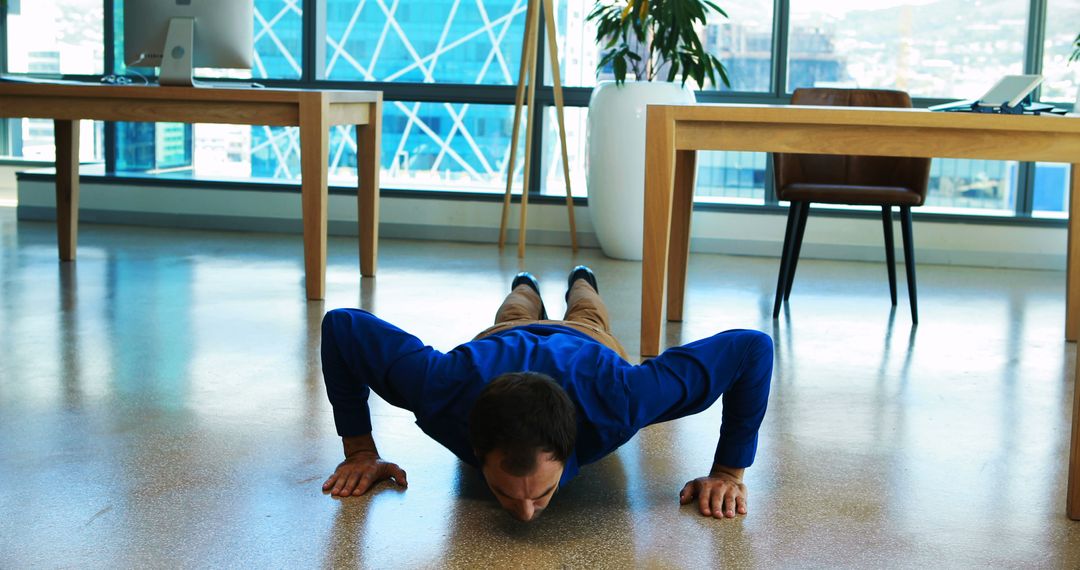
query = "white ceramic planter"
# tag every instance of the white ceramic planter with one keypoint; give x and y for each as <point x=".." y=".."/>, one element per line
<point x="616" y="160"/>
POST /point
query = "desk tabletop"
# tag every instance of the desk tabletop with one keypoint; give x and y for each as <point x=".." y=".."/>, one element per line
<point x="238" y="106"/>
<point x="166" y="93"/>
<point x="869" y="116"/>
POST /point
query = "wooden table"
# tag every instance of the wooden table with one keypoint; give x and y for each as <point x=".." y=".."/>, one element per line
<point x="676" y="132"/>
<point x="314" y="111"/>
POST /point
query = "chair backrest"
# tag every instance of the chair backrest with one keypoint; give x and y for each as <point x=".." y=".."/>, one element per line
<point x="910" y="173"/>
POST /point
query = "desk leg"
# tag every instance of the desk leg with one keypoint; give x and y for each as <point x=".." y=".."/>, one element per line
<point x="1072" y="277"/>
<point x="67" y="187"/>
<point x="369" y="149"/>
<point x="1072" y="323"/>
<point x="1072" y="506"/>
<point x="679" y="249"/>
<point x="314" y="158"/>
<point x="659" y="179"/>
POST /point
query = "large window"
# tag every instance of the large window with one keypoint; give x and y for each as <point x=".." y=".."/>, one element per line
<point x="222" y="151"/>
<point x="32" y="139"/>
<point x="53" y="38"/>
<point x="743" y="41"/>
<point x="1062" y="26"/>
<point x="278" y="39"/>
<point x="947" y="48"/>
<point x="56" y="36"/>
<point x="1050" y="195"/>
<point x="553" y="178"/>
<point x="441" y="41"/>
<point x="1050" y="186"/>
<point x="448" y="68"/>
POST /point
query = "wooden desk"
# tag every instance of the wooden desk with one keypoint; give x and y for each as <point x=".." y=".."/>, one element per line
<point x="675" y="134"/>
<point x="313" y="111"/>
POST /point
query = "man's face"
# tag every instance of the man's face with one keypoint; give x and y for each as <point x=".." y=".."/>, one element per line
<point x="523" y="497"/>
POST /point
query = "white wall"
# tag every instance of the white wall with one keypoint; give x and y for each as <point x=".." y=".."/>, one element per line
<point x="7" y="184"/>
<point x="457" y="220"/>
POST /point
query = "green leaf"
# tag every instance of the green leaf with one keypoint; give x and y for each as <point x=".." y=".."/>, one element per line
<point x="723" y="73"/>
<point x="715" y="8"/>
<point x="665" y="34"/>
<point x="606" y="59"/>
<point x="620" y="70"/>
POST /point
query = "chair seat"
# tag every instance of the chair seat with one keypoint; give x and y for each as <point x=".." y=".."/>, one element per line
<point x="854" y="195"/>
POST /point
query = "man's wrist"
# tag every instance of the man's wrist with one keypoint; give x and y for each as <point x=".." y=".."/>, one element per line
<point x="359" y="444"/>
<point x="736" y="472"/>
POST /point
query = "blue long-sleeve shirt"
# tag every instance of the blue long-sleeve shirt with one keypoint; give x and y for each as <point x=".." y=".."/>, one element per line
<point x="614" y="399"/>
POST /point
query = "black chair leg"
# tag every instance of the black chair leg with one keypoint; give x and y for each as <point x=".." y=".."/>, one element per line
<point x="785" y="256"/>
<point x="800" y="229"/>
<point x="909" y="260"/>
<point x="890" y="253"/>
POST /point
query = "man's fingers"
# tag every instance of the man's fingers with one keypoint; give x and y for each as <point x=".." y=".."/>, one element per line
<point x="364" y="483"/>
<point x="715" y="498"/>
<point x="340" y="488"/>
<point x="356" y="480"/>
<point x="716" y="503"/>
<point x="399" y="475"/>
<point x="729" y="503"/>
<point x="703" y="494"/>
<point x="339" y="482"/>
<point x="687" y="493"/>
<point x="350" y="484"/>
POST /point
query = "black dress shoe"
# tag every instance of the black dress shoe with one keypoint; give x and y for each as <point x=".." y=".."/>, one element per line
<point x="581" y="272"/>
<point x="526" y="278"/>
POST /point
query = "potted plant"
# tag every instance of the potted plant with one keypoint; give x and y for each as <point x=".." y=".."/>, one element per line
<point x="656" y="43"/>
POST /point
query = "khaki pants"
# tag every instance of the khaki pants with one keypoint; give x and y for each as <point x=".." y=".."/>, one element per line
<point x="585" y="312"/>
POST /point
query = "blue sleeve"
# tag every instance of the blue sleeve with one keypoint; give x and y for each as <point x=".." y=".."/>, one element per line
<point x="686" y="380"/>
<point x="361" y="352"/>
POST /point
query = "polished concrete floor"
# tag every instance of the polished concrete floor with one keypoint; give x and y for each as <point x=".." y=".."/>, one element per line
<point x="161" y="405"/>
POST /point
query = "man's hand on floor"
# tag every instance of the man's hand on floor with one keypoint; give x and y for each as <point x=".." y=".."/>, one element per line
<point x="721" y="494"/>
<point x="362" y="469"/>
<point x="357" y="474"/>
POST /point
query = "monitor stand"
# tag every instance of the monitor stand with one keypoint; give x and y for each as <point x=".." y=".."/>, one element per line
<point x="176" y="58"/>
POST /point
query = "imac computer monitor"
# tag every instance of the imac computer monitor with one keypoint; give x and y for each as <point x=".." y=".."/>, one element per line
<point x="179" y="35"/>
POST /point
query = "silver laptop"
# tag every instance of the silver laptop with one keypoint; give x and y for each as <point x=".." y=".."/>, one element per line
<point x="1008" y="91"/>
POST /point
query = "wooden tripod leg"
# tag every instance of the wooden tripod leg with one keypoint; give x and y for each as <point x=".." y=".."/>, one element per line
<point x="519" y="101"/>
<point x="553" y="52"/>
<point x="530" y="125"/>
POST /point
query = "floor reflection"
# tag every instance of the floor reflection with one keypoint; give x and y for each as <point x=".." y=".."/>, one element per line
<point x="69" y="347"/>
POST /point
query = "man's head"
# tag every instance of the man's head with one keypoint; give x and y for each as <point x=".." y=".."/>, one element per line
<point x="522" y="429"/>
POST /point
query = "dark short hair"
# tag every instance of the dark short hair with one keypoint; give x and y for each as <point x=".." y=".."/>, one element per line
<point x="522" y="414"/>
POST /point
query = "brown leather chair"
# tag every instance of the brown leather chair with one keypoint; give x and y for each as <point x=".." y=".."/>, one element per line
<point x="858" y="180"/>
